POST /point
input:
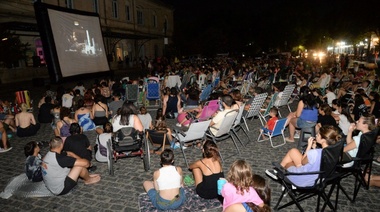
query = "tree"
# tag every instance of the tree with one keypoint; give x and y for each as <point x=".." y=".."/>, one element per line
<point x="11" y="48"/>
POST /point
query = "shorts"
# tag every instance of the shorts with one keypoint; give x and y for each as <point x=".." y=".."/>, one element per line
<point x="163" y="204"/>
<point x="68" y="186"/>
<point x="305" y="124"/>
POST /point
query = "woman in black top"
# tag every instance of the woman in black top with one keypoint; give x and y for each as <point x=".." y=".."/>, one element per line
<point x="375" y="104"/>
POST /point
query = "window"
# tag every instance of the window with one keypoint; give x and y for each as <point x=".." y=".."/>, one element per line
<point x="127" y="12"/>
<point x="140" y="17"/>
<point x="70" y="4"/>
<point x="154" y="19"/>
<point x="95" y="5"/>
<point x="115" y="12"/>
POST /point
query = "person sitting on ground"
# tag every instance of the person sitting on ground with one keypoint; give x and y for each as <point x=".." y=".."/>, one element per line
<point x="44" y="113"/>
<point x="84" y="117"/>
<point x="306" y="114"/>
<point x="63" y="169"/>
<point x="310" y="161"/>
<point x="101" y="150"/>
<point x="55" y="112"/>
<point x="207" y="171"/>
<point x="4" y="139"/>
<point x="25" y="122"/>
<point x="115" y="104"/>
<point x="218" y="118"/>
<point x="33" y="161"/>
<point x="239" y="187"/>
<point x="365" y="124"/>
<point x="99" y="111"/>
<point x="145" y="118"/>
<point x="63" y="126"/>
<point x="79" y="144"/>
<point x="166" y="190"/>
<point x="76" y="98"/>
<point x="262" y="188"/>
<point x="171" y="104"/>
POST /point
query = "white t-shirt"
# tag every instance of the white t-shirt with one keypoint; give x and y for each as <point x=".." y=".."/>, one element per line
<point x="218" y="119"/>
<point x="330" y="97"/>
<point x="116" y="123"/>
<point x="354" y="152"/>
<point x="146" y="120"/>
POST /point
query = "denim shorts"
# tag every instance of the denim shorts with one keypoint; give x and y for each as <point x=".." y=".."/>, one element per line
<point x="305" y="124"/>
<point x="163" y="204"/>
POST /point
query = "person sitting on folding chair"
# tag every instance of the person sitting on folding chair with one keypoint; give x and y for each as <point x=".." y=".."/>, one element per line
<point x="269" y="126"/>
<point x="218" y="119"/>
<point x="296" y="162"/>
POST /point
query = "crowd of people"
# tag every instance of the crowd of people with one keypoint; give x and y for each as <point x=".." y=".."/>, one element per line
<point x="337" y="101"/>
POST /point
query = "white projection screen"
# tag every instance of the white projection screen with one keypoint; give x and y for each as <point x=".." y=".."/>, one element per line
<point x="72" y="41"/>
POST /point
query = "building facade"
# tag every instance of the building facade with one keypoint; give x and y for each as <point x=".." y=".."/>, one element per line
<point x="132" y="29"/>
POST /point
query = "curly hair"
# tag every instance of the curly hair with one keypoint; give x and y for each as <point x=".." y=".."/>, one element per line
<point x="240" y="175"/>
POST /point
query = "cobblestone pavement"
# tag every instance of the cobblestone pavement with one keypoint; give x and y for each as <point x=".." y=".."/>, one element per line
<point x="120" y="192"/>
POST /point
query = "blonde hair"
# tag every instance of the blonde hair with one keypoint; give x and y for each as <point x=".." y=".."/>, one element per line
<point x="24" y="107"/>
<point x="240" y="175"/>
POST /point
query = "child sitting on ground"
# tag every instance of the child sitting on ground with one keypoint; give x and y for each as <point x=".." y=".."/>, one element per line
<point x="240" y="186"/>
<point x="166" y="190"/>
<point x="33" y="161"/>
<point x="262" y="188"/>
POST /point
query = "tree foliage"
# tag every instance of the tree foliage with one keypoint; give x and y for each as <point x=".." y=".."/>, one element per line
<point x="11" y="48"/>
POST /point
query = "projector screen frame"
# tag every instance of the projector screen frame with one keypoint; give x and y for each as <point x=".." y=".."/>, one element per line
<point x="49" y="44"/>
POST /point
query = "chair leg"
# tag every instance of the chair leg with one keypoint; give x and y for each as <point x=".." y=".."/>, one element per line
<point x="246" y="133"/>
<point x="234" y="132"/>
<point x="183" y="153"/>
<point x="245" y="122"/>
<point x="233" y="139"/>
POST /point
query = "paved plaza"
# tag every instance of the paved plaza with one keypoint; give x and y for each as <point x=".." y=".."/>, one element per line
<point x="120" y="192"/>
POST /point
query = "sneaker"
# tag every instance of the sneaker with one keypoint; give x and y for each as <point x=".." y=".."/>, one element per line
<point x="297" y="135"/>
<point x="5" y="150"/>
<point x="272" y="173"/>
<point x="177" y="146"/>
<point x="178" y="125"/>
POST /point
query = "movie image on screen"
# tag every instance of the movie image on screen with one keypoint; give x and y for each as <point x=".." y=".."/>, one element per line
<point x="78" y="42"/>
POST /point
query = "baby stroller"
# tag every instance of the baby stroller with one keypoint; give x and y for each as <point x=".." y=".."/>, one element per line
<point x="128" y="142"/>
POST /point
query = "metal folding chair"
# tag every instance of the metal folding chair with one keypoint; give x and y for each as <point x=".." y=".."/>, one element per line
<point x="279" y="128"/>
<point x="254" y="110"/>
<point x="265" y="112"/>
<point x="287" y="93"/>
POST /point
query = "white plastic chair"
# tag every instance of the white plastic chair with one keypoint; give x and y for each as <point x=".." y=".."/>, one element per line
<point x="195" y="132"/>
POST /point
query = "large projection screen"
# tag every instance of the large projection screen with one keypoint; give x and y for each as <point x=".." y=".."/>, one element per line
<point x="74" y="42"/>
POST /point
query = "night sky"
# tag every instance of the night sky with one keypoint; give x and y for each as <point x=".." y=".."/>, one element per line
<point x="210" y="26"/>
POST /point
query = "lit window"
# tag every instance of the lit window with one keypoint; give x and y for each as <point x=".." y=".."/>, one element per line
<point x="70" y="4"/>
<point x="95" y="5"/>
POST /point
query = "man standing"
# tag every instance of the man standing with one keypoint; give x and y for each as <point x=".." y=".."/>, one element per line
<point x="61" y="170"/>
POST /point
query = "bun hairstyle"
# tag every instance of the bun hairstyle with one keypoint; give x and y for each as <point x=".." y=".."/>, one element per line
<point x="330" y="134"/>
<point x="29" y="148"/>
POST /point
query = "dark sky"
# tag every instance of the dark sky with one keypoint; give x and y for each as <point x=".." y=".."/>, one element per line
<point x="223" y="25"/>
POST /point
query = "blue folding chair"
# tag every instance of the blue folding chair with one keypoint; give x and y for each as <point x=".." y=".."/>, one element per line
<point x="279" y="128"/>
<point x="206" y="93"/>
<point x="153" y="91"/>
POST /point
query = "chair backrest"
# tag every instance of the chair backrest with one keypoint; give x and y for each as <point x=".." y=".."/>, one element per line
<point x="196" y="131"/>
<point x="239" y="115"/>
<point x="209" y="109"/>
<point x="270" y="104"/>
<point x="286" y="94"/>
<point x="245" y="87"/>
<point x="132" y="92"/>
<point x="156" y="137"/>
<point x="256" y="105"/>
<point x="331" y="155"/>
<point x="206" y="93"/>
<point x="367" y="144"/>
<point x="153" y="91"/>
<point x="227" y="123"/>
<point x="279" y="126"/>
